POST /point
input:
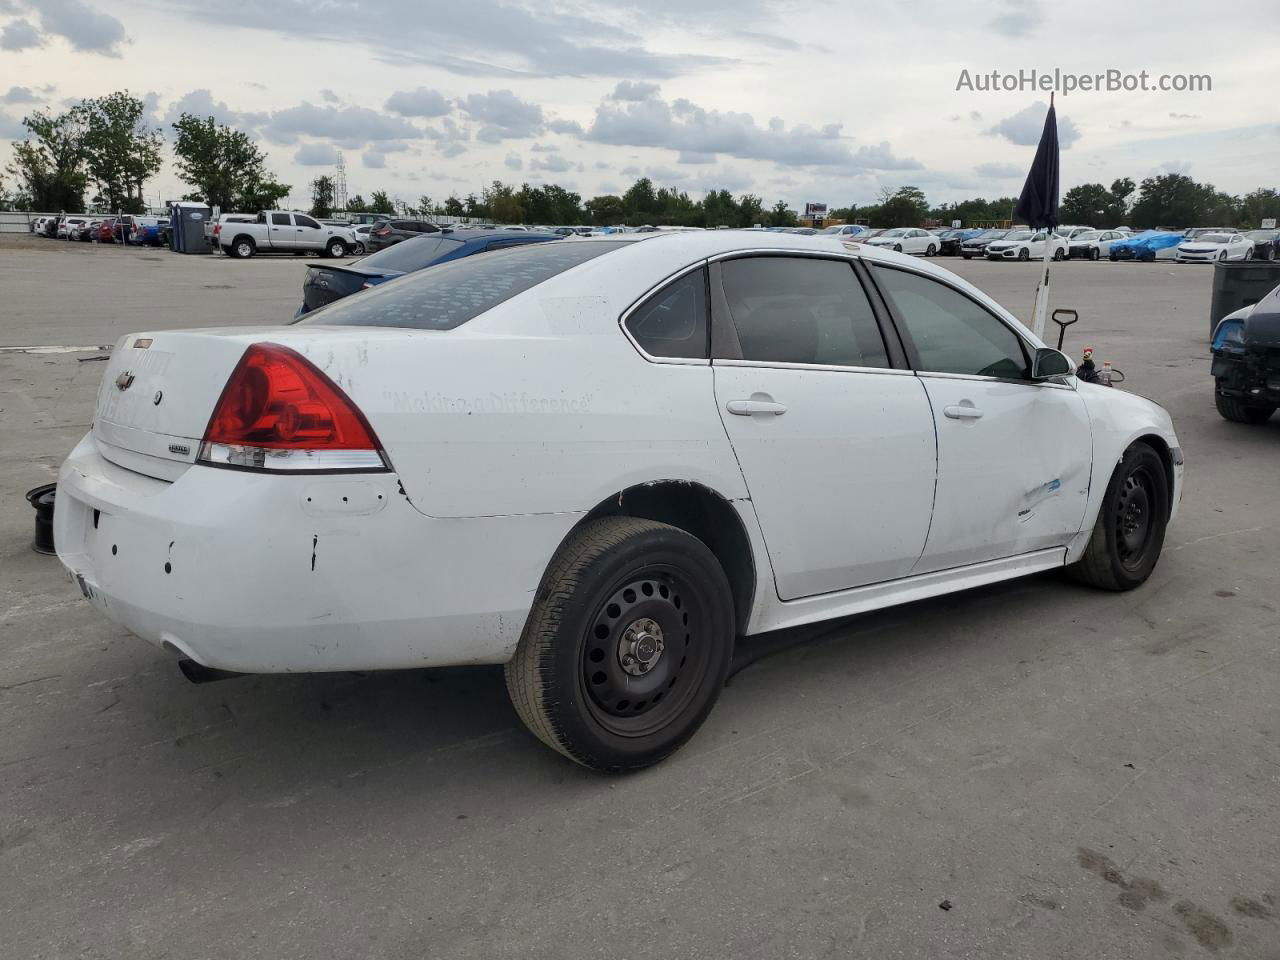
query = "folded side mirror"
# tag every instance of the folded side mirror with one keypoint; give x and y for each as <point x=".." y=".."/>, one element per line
<point x="1049" y="363"/>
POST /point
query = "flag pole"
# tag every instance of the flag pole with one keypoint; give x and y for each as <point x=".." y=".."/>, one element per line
<point x="1040" y="312"/>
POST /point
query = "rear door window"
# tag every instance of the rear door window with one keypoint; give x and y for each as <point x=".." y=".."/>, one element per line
<point x="802" y="310"/>
<point x="280" y="219"/>
<point x="450" y="294"/>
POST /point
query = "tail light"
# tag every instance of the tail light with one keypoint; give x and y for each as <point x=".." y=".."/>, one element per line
<point x="217" y="229"/>
<point x="383" y="232"/>
<point x="279" y="412"/>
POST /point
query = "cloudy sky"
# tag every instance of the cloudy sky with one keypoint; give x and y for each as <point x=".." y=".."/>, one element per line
<point x="800" y="100"/>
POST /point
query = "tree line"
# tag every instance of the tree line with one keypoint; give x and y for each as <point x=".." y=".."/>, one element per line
<point x="103" y="146"/>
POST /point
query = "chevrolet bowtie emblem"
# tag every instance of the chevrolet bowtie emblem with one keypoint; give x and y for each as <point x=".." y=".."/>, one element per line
<point x="124" y="381"/>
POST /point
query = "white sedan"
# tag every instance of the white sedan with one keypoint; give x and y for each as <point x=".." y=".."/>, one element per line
<point x="1211" y="247"/>
<point x="1094" y="244"/>
<point x="1027" y="245"/>
<point x="907" y="240"/>
<point x="599" y="462"/>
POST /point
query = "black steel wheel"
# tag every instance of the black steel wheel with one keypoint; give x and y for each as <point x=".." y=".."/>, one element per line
<point x="1129" y="533"/>
<point x="627" y="646"/>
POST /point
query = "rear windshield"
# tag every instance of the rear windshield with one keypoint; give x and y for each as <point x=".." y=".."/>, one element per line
<point x="410" y="255"/>
<point x="450" y="294"/>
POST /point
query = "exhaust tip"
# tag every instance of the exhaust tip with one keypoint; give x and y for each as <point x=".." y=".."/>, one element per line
<point x="199" y="673"/>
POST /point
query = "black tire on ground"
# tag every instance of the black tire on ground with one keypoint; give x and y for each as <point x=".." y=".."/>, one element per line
<point x="1129" y="533"/>
<point x="967" y="256"/>
<point x="1238" y="410"/>
<point x="1058" y="254"/>
<point x="1094" y="253"/>
<point x="627" y="646"/>
<point x="897" y="248"/>
<point x="1114" y="256"/>
<point x="335" y="248"/>
<point x="1024" y="254"/>
<point x="931" y="251"/>
<point x="359" y="250"/>
<point x="242" y="248"/>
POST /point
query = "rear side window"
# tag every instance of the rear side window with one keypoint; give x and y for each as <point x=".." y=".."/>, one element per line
<point x="280" y="219"/>
<point x="450" y="294"/>
<point x="673" y="322"/>
<point x="950" y="332"/>
<point x="802" y="310"/>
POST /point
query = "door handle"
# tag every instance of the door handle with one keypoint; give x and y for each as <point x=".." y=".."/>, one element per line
<point x="745" y="408"/>
<point x="962" y="411"/>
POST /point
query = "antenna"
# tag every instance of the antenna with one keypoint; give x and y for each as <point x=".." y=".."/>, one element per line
<point x="340" y="185"/>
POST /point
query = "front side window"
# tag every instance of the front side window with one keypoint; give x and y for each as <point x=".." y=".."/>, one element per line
<point x="673" y="322"/>
<point x="302" y="221"/>
<point x="950" y="332"/>
<point x="802" y="310"/>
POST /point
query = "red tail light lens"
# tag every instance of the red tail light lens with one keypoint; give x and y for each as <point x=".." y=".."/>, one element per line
<point x="382" y="232"/>
<point x="279" y="412"/>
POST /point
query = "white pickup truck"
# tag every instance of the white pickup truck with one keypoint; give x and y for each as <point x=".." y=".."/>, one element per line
<point x="279" y="231"/>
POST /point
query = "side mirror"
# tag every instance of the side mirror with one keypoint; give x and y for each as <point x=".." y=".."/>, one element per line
<point x="1049" y="363"/>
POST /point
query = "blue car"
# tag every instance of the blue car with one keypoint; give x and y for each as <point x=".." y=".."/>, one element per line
<point x="326" y="283"/>
<point x="1145" y="245"/>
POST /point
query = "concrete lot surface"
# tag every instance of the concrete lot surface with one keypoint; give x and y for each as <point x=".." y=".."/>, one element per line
<point x="1034" y="770"/>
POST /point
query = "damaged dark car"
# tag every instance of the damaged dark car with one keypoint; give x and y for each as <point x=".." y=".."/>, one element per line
<point x="1246" y="361"/>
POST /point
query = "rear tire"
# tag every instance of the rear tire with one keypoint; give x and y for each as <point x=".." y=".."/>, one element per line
<point x="1238" y="410"/>
<point x="242" y="248"/>
<point x="1129" y="533"/>
<point x="617" y="587"/>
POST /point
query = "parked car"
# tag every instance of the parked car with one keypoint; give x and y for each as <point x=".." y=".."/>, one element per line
<point x="326" y="283"/>
<point x="50" y="227"/>
<point x="1027" y="245"/>
<point x="526" y="458"/>
<point x="1211" y="247"/>
<point x="85" y="231"/>
<point x="279" y="231"/>
<point x="1093" y="244"/>
<point x="69" y="227"/>
<point x="977" y="246"/>
<point x="847" y="231"/>
<point x="1246" y="363"/>
<point x="949" y="240"/>
<point x="907" y="240"/>
<point x="1146" y="246"/>
<point x="1196" y="233"/>
<point x="144" y="231"/>
<point x="1266" y="244"/>
<point x="384" y="233"/>
<point x="106" y="231"/>
<point x="1070" y="231"/>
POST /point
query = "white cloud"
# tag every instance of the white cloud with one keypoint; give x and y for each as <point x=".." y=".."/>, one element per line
<point x="513" y="161"/>
<point x="19" y="35"/>
<point x="1025" y="126"/>
<point x="1000" y="171"/>
<point x="82" y="26"/>
<point x="419" y="102"/>
<point x="316" y="155"/>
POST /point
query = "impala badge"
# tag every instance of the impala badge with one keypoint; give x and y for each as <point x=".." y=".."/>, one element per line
<point x="124" y="381"/>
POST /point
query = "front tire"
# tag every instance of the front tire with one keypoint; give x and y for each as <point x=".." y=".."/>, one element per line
<point x="897" y="248"/>
<point x="627" y="646"/>
<point x="1129" y="533"/>
<point x="931" y="251"/>
<point x="1238" y="410"/>
<point x="1024" y="254"/>
<point x="1058" y="254"/>
<point x="335" y="249"/>
<point x="1094" y="253"/>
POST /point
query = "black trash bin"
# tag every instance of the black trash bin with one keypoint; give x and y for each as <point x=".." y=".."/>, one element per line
<point x="1237" y="285"/>
<point x="42" y="498"/>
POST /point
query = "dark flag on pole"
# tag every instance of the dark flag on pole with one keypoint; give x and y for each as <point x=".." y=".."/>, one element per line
<point x="1038" y="208"/>
<point x="1038" y="205"/>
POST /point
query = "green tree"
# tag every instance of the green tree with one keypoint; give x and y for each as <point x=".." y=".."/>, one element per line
<point x="322" y="197"/>
<point x="380" y="202"/>
<point x="750" y="210"/>
<point x="1089" y="204"/>
<point x="453" y="207"/>
<point x="604" y="210"/>
<point x="782" y="216"/>
<point x="502" y="203"/>
<point x="224" y="165"/>
<point x="1258" y="204"/>
<point x="357" y="205"/>
<point x="49" y="163"/>
<point x="426" y="206"/>
<point x="1175" y="200"/>
<point x="121" y="151"/>
<point x="1121" y="190"/>
<point x="906" y="207"/>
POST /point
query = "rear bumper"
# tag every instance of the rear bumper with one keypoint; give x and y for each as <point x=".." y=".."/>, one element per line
<point x="271" y="574"/>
